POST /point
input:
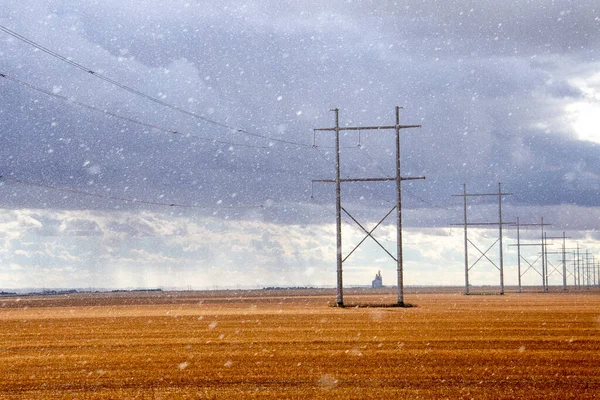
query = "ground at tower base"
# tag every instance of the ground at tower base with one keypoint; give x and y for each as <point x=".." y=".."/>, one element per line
<point x="272" y="344"/>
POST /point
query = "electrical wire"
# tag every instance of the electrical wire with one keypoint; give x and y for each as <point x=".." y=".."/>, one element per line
<point x="333" y="147"/>
<point x="328" y="160"/>
<point x="107" y="197"/>
<point x="343" y="218"/>
<point x="422" y="200"/>
<point x="372" y="160"/>
<point x="128" y="119"/>
<point x="155" y="100"/>
<point x="142" y="94"/>
<point x="329" y="210"/>
<point x="407" y="189"/>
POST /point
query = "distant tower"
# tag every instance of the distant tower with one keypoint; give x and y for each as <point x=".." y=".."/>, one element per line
<point x="377" y="282"/>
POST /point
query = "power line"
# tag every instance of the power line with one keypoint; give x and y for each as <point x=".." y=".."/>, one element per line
<point x="371" y="160"/>
<point x="128" y="119"/>
<point x="407" y="189"/>
<point x="350" y="224"/>
<point x="140" y="93"/>
<point x="324" y="157"/>
<point x="107" y="197"/>
<point x="422" y="200"/>
<point x="332" y="211"/>
<point x="374" y="162"/>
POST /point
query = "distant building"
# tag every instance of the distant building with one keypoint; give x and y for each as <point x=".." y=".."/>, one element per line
<point x="378" y="281"/>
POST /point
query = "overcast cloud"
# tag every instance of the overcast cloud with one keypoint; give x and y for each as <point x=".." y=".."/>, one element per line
<point x="505" y="92"/>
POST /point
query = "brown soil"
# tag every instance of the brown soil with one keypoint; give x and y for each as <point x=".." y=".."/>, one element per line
<point x="294" y="344"/>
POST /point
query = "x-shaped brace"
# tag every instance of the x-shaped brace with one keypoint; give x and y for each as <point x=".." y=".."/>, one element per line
<point x="369" y="234"/>
<point x="484" y="254"/>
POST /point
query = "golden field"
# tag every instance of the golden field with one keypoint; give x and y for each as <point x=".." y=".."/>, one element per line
<point x="294" y="344"/>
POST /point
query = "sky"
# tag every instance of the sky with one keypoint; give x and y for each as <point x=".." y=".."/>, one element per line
<point x="172" y="143"/>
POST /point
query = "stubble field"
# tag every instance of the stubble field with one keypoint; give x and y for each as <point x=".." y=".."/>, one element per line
<point x="294" y="344"/>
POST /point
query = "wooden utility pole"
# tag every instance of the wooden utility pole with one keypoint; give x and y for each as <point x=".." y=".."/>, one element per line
<point x="398" y="207"/>
<point x="500" y="223"/>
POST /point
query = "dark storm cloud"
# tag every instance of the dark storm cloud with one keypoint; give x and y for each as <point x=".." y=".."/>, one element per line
<point x="481" y="77"/>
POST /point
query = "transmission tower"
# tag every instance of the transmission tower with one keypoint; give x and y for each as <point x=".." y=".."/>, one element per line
<point x="579" y="265"/>
<point x="500" y="224"/>
<point x="520" y="257"/>
<point x="563" y="259"/>
<point x="398" y="207"/>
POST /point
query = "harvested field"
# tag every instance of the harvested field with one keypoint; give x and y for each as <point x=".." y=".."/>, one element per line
<point x="294" y="344"/>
